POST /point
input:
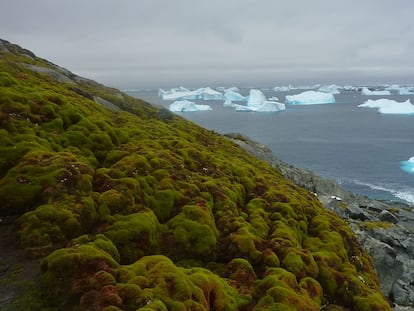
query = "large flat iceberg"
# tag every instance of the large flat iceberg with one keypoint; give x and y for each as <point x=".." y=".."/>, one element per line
<point x="187" y="106"/>
<point x="408" y="166"/>
<point x="388" y="106"/>
<point x="204" y="93"/>
<point x="267" y="106"/>
<point x="367" y="91"/>
<point x="310" y="98"/>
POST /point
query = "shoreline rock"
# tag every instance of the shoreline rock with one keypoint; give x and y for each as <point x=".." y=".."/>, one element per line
<point x="384" y="228"/>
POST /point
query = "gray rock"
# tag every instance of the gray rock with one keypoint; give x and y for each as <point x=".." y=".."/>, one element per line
<point x="355" y="212"/>
<point x="3" y="47"/>
<point x="387" y="216"/>
<point x="106" y="104"/>
<point x="403" y="294"/>
<point x="56" y="75"/>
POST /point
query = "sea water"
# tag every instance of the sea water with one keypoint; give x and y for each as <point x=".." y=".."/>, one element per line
<point x="359" y="147"/>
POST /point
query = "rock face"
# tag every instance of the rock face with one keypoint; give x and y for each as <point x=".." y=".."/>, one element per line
<point x="384" y="229"/>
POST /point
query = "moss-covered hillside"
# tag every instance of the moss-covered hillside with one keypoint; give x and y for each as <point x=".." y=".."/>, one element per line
<point x="137" y="209"/>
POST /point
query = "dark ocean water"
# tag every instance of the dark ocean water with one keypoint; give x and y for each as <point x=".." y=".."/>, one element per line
<point x="358" y="147"/>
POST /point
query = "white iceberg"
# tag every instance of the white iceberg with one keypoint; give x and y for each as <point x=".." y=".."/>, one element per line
<point x="331" y="89"/>
<point x="267" y="106"/>
<point x="310" y="98"/>
<point x="401" y="90"/>
<point x="350" y="88"/>
<point x="204" y="93"/>
<point x="408" y="166"/>
<point x="388" y="106"/>
<point x="283" y="88"/>
<point x="256" y="98"/>
<point x="256" y="101"/>
<point x="367" y="91"/>
<point x="230" y="95"/>
<point x="187" y="106"/>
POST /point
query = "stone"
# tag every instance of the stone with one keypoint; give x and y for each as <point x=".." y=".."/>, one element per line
<point x="388" y="217"/>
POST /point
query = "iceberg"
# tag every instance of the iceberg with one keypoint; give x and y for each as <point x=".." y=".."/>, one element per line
<point x="267" y="106"/>
<point x="408" y="166"/>
<point x="256" y="101"/>
<point x="187" y="106"/>
<point x="401" y="90"/>
<point x="367" y="91"/>
<point x="388" y="106"/>
<point x="331" y="89"/>
<point x="230" y="95"/>
<point x="256" y="98"/>
<point x="310" y="98"/>
<point x="283" y="88"/>
<point x="205" y="93"/>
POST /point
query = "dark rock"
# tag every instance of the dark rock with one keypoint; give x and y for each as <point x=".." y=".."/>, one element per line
<point x="165" y="114"/>
<point x="387" y="216"/>
<point x="355" y="212"/>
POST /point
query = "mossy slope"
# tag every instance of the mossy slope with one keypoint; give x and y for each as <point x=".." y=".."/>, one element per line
<point x="143" y="210"/>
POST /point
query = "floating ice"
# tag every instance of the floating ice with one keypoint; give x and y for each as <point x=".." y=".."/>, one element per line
<point x="267" y="106"/>
<point x="310" y="98"/>
<point x="401" y="90"/>
<point x="408" y="166"/>
<point x="187" y="106"/>
<point x="283" y="88"/>
<point x="204" y="93"/>
<point x="230" y="95"/>
<point x="367" y="91"/>
<point x="256" y="98"/>
<point x="388" y="106"/>
<point x="256" y="101"/>
<point x="331" y="89"/>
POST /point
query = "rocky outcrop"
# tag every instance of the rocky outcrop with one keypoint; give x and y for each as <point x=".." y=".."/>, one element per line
<point x="384" y="229"/>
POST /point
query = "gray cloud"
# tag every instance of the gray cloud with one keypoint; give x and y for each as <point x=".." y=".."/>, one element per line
<point x="146" y="43"/>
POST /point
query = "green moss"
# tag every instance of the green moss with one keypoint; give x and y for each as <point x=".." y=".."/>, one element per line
<point x="135" y="235"/>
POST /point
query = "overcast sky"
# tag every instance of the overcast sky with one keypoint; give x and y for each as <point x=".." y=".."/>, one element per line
<point x="159" y="43"/>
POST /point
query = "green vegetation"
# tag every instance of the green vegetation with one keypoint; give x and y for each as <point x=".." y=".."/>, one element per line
<point x="143" y="210"/>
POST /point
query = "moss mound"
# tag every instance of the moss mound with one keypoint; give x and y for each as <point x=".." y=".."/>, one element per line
<point x="137" y="209"/>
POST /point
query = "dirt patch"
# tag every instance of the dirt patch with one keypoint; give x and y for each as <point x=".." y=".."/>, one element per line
<point x="19" y="274"/>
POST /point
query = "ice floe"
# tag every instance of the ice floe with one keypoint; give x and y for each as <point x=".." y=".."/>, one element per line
<point x="204" y="93"/>
<point x="331" y="89"/>
<point x="367" y="91"/>
<point x="401" y="90"/>
<point x="187" y="106"/>
<point x="283" y="88"/>
<point x="388" y="106"/>
<point x="310" y="98"/>
<point x="408" y="166"/>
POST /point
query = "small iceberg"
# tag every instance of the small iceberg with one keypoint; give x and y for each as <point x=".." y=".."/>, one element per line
<point x="187" y="106"/>
<point x="388" y="106"/>
<point x="331" y="89"/>
<point x="408" y="166"/>
<point x="205" y="93"/>
<point x="367" y="91"/>
<point x="310" y="98"/>
<point x="256" y="101"/>
<point x="267" y="106"/>
<point x="401" y="90"/>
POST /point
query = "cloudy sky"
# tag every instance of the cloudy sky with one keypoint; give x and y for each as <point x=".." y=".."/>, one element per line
<point x="159" y="43"/>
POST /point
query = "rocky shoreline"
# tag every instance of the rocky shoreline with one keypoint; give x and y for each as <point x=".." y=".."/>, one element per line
<point x="384" y="228"/>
